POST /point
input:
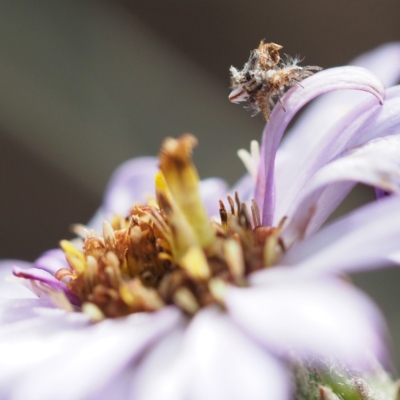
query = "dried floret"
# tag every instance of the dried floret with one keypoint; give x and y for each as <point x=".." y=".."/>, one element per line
<point x="264" y="78"/>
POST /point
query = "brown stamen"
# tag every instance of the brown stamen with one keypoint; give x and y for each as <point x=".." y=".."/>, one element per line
<point x="157" y="255"/>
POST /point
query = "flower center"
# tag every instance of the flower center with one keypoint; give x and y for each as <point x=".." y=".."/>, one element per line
<point x="169" y="251"/>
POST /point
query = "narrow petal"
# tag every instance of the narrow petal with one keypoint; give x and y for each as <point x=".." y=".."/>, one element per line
<point x="312" y="317"/>
<point x="376" y="164"/>
<point x="340" y="78"/>
<point x="10" y="288"/>
<point x="41" y="275"/>
<point x="321" y="115"/>
<point x="360" y="240"/>
<point x="36" y="363"/>
<point x="131" y="183"/>
<point x="365" y="123"/>
<point x="226" y="364"/>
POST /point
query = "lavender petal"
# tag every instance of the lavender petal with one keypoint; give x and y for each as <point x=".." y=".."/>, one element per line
<point x="322" y="114"/>
<point x="363" y="124"/>
<point x="376" y="164"/>
<point x="51" y="261"/>
<point x="340" y="78"/>
<point x="27" y="342"/>
<point x="30" y="364"/>
<point x="41" y="275"/>
<point x="165" y="370"/>
<point x="10" y="288"/>
<point x="245" y="187"/>
<point x="130" y="184"/>
<point x="226" y="364"/>
<point x="361" y="240"/>
<point x="313" y="317"/>
<point x="19" y="310"/>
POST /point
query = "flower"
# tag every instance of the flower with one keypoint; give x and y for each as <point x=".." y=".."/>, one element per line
<point x="231" y="303"/>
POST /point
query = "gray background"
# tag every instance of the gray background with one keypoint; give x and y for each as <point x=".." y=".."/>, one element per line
<point x="85" y="85"/>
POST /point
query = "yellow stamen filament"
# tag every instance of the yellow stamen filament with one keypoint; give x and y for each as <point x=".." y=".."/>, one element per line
<point x="271" y="250"/>
<point x="161" y="224"/>
<point x="218" y="289"/>
<point x="183" y="182"/>
<point x="161" y="184"/>
<point x="195" y="263"/>
<point x="74" y="257"/>
<point x="135" y="295"/>
<point x="92" y="268"/>
<point x="255" y="211"/>
<point x="184" y="299"/>
<point x="234" y="257"/>
<point x="113" y="280"/>
<point x="94" y="312"/>
<point x="109" y="237"/>
<point x="182" y="236"/>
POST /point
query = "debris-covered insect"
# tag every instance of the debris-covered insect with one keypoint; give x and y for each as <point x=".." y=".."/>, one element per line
<point x="264" y="78"/>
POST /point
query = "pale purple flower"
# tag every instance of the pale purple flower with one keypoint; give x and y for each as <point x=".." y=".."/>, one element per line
<point x="300" y="306"/>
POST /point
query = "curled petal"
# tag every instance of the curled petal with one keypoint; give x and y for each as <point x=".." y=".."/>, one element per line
<point x="376" y="164"/>
<point x="313" y="317"/>
<point x="10" y="288"/>
<point x="340" y="78"/>
<point x="39" y="275"/>
<point x="322" y="114"/>
<point x="17" y="302"/>
<point x="362" y="239"/>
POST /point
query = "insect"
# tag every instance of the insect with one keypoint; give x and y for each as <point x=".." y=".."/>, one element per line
<point x="264" y="78"/>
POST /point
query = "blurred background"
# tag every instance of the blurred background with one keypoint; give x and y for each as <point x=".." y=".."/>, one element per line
<point x="85" y="85"/>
